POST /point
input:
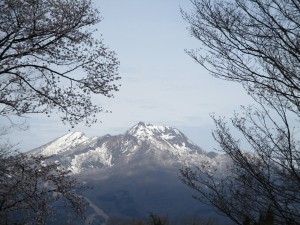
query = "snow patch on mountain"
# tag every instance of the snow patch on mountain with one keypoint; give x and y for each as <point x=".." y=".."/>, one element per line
<point x="167" y="136"/>
<point x="91" y="160"/>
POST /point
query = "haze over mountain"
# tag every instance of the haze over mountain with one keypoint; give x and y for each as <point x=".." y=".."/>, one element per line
<point x="134" y="173"/>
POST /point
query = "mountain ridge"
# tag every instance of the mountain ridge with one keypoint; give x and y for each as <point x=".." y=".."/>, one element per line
<point x="79" y="153"/>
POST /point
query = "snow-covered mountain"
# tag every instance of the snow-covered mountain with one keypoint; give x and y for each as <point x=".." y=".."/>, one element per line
<point x="133" y="173"/>
<point x="164" y="145"/>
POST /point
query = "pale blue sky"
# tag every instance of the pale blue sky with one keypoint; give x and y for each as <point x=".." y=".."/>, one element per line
<point x="161" y="84"/>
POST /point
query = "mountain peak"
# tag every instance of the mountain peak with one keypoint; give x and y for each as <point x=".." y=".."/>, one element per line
<point x="143" y="124"/>
<point x="163" y="137"/>
<point x="145" y="130"/>
<point x="74" y="135"/>
<point x="63" y="143"/>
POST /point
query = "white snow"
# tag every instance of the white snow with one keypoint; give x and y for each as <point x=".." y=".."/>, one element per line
<point x="64" y="143"/>
<point x="145" y="131"/>
<point x="167" y="136"/>
<point x="98" y="155"/>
